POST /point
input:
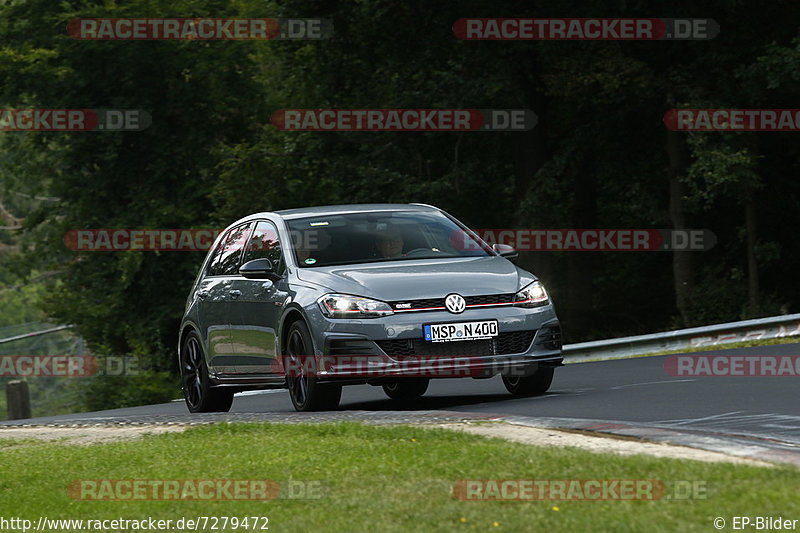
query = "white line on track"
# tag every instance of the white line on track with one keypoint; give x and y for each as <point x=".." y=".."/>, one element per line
<point x="652" y="383"/>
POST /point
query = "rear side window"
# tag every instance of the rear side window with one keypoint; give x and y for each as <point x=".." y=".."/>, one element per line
<point x="264" y="243"/>
<point x="226" y="258"/>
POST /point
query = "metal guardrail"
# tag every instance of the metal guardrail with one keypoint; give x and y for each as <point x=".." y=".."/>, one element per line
<point x="34" y="334"/>
<point x="684" y="339"/>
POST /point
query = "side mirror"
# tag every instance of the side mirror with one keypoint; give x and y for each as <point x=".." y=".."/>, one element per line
<point x="258" y="269"/>
<point x="506" y="251"/>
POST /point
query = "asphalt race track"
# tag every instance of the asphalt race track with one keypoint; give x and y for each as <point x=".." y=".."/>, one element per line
<point x="745" y="416"/>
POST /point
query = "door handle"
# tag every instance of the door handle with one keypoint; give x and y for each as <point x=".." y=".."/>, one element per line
<point x="202" y="294"/>
<point x="235" y="293"/>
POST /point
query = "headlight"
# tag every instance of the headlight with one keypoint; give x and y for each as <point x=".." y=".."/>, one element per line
<point x="347" y="306"/>
<point x="532" y="295"/>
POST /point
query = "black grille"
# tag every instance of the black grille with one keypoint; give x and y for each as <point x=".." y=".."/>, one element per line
<point x="397" y="348"/>
<point x="489" y="299"/>
<point x="350" y="347"/>
<point x="516" y="342"/>
<point x="416" y="304"/>
<point x="550" y="338"/>
<point x="505" y="343"/>
<point x="486" y="299"/>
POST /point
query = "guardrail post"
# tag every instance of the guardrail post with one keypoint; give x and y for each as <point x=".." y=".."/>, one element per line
<point x="18" y="400"/>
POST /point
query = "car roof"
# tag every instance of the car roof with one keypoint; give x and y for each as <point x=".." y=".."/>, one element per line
<point x="323" y="210"/>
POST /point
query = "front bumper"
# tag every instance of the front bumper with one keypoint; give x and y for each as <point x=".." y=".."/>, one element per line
<point x="393" y="346"/>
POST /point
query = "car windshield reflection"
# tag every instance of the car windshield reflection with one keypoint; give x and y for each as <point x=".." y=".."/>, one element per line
<point x="344" y="239"/>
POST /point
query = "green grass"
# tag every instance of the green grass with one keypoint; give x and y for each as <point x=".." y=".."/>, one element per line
<point x="380" y="479"/>
<point x="12" y="443"/>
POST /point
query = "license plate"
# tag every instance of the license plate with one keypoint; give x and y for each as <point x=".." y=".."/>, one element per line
<point x="460" y="331"/>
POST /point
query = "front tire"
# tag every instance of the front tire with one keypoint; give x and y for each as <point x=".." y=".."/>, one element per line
<point x="200" y="396"/>
<point x="537" y="383"/>
<point x="306" y="392"/>
<point x="405" y="389"/>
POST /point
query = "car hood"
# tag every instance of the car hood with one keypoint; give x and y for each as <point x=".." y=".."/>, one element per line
<point x="421" y="278"/>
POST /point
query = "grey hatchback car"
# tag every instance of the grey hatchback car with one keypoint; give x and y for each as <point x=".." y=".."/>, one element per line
<point x="390" y="295"/>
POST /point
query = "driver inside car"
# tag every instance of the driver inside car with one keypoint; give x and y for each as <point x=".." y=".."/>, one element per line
<point x="390" y="244"/>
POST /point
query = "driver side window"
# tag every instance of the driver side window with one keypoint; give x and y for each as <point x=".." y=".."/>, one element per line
<point x="264" y="243"/>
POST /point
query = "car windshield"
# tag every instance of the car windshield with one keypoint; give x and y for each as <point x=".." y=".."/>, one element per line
<point x="341" y="239"/>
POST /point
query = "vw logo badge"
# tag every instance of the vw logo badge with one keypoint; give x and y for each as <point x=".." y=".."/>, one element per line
<point x="455" y="303"/>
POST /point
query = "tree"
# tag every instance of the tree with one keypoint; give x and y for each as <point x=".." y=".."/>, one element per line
<point x="200" y="94"/>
